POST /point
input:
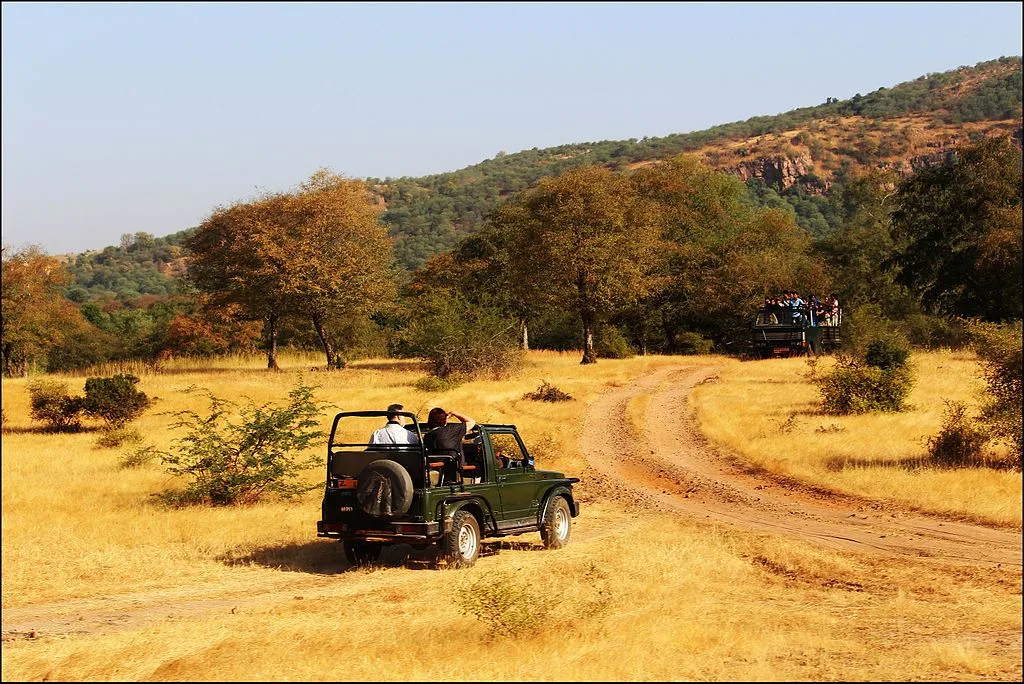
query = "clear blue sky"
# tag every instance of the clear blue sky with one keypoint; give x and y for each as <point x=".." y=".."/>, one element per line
<point x="120" y="118"/>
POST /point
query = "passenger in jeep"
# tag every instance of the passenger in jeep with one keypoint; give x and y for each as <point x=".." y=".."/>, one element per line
<point x="394" y="433"/>
<point x="442" y="438"/>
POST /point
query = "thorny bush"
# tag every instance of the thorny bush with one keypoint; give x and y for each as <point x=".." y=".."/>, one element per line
<point x="240" y="461"/>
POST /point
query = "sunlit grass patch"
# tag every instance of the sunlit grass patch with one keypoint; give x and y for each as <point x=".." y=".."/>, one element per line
<point x="769" y="412"/>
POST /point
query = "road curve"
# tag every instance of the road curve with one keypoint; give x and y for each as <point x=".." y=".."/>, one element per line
<point x="674" y="468"/>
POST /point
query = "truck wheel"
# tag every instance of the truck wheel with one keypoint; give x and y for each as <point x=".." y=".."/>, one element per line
<point x="384" y="489"/>
<point x="461" y="547"/>
<point x="361" y="553"/>
<point x="557" y="525"/>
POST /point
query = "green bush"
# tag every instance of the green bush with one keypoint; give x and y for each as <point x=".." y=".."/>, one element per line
<point x="138" y="457"/>
<point x="462" y="341"/>
<point x="517" y="607"/>
<point x="936" y="332"/>
<point x="51" y="403"/>
<point x="854" y="387"/>
<point x="115" y="437"/>
<point x="241" y="461"/>
<point x="432" y="383"/>
<point x="999" y="349"/>
<point x="115" y="399"/>
<point x="694" y="343"/>
<point x="960" y="442"/>
<point x="609" y="343"/>
<point x="887" y="354"/>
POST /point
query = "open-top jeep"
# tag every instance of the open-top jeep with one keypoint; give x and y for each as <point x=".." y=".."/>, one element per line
<point x="379" y="494"/>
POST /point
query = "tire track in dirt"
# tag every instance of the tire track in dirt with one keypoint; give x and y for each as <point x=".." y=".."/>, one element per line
<point x="671" y="467"/>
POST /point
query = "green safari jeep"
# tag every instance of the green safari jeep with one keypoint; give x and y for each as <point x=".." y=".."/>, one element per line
<point x="379" y="494"/>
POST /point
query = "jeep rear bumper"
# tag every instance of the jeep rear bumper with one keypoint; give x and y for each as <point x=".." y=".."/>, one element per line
<point x="394" y="532"/>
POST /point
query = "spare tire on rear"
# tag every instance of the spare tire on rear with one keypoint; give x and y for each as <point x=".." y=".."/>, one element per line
<point x="384" y="489"/>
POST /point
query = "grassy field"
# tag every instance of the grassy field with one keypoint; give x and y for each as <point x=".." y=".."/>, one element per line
<point x="631" y="598"/>
<point x="767" y="412"/>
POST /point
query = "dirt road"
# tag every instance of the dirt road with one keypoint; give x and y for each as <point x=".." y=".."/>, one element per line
<point x="671" y="467"/>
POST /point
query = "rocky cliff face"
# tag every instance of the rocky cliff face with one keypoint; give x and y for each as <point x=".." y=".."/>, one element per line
<point x="782" y="172"/>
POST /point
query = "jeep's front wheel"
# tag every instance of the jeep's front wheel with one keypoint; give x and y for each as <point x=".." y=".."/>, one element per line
<point x="461" y="547"/>
<point x="557" y="524"/>
<point x="361" y="553"/>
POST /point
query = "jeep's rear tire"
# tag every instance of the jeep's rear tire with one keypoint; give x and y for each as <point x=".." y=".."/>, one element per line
<point x="360" y="553"/>
<point x="557" y="526"/>
<point x="384" y="489"/>
<point x="461" y="547"/>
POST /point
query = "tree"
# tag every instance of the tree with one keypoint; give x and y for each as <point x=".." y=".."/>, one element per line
<point x="319" y="252"/>
<point x="235" y="257"/>
<point x="723" y="255"/>
<point x="34" y="316"/>
<point x="338" y="265"/>
<point x="958" y="233"/>
<point x="586" y="239"/>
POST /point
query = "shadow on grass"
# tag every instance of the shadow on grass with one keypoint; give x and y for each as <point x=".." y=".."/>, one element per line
<point x="837" y="464"/>
<point x="44" y="430"/>
<point x="397" y="364"/>
<point x="326" y="557"/>
<point x="920" y="463"/>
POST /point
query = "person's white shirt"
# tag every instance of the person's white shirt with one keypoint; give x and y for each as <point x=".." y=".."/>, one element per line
<point x="393" y="433"/>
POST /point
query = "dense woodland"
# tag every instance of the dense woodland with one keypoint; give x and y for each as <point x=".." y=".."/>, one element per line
<point x="614" y="247"/>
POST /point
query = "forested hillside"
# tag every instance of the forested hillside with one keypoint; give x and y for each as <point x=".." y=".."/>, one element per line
<point x="793" y="160"/>
<point x="799" y="154"/>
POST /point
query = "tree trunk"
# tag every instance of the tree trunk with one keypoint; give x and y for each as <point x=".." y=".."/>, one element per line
<point x="587" y="317"/>
<point x="325" y="342"/>
<point x="15" y="365"/>
<point x="588" y="340"/>
<point x="271" y="329"/>
<point x="524" y="341"/>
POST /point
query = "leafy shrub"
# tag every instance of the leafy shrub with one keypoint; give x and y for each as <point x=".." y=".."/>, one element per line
<point x="138" y="457"/>
<point x="115" y="399"/>
<point x="960" y="442"/>
<point x="854" y="387"/>
<point x="51" y="403"/>
<point x="515" y="606"/>
<point x="935" y="332"/>
<point x="432" y="383"/>
<point x="115" y="437"/>
<point x="694" y="343"/>
<point x="547" y="392"/>
<point x="239" y="462"/>
<point x="462" y="341"/>
<point x="504" y="602"/>
<point x="611" y="344"/>
<point x="999" y="349"/>
<point x="887" y="354"/>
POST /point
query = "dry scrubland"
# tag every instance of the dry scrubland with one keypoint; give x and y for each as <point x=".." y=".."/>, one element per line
<point x="635" y="596"/>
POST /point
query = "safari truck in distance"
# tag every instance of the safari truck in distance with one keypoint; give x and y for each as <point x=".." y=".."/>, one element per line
<point x="377" y="494"/>
<point x="783" y="331"/>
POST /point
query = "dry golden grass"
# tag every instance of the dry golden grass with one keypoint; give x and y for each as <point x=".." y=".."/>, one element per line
<point x="631" y="598"/>
<point x="767" y="412"/>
